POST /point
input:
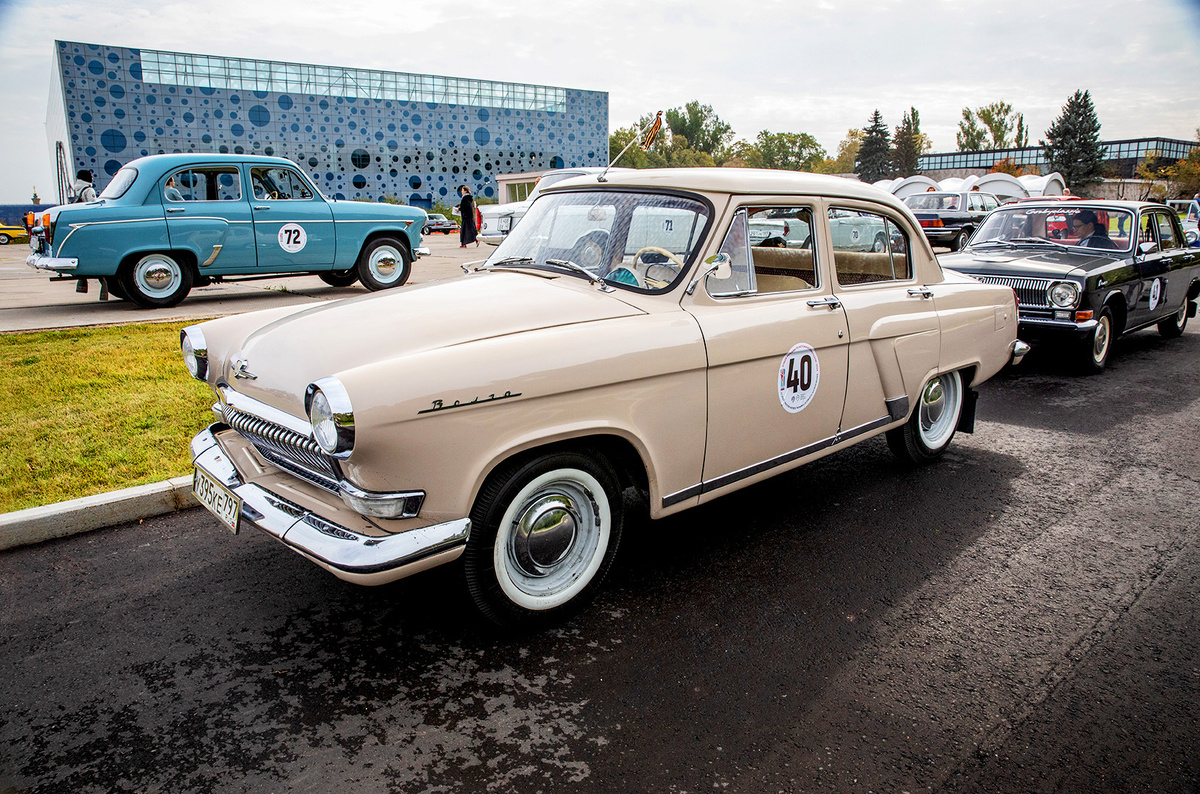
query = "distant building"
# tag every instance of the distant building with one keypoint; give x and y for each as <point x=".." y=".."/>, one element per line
<point x="360" y="133"/>
<point x="1124" y="156"/>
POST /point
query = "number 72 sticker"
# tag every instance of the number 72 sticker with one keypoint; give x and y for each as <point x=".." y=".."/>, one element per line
<point x="799" y="373"/>
<point x="292" y="237"/>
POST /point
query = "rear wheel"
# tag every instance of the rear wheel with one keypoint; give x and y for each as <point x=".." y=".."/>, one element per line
<point x="156" y="281"/>
<point x="544" y="533"/>
<point x="1173" y="326"/>
<point x="4" y="239"/>
<point x="383" y="263"/>
<point x="959" y="241"/>
<point x="1094" y="354"/>
<point x="339" y="278"/>
<point x="927" y="433"/>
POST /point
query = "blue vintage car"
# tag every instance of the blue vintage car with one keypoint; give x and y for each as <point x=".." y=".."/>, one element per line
<point x="169" y="222"/>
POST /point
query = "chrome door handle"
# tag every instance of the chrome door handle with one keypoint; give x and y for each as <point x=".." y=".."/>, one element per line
<point x="831" y="303"/>
<point x="174" y="209"/>
<point x="921" y="292"/>
<point x="262" y="207"/>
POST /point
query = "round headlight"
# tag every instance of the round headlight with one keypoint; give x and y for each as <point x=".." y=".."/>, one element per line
<point x="331" y="417"/>
<point x="1064" y="294"/>
<point x="195" y="352"/>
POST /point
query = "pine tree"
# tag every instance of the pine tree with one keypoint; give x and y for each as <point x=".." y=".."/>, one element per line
<point x="1072" y="143"/>
<point x="908" y="144"/>
<point x="874" y="161"/>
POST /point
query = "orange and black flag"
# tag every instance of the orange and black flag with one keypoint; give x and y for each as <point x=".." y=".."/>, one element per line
<point x="652" y="133"/>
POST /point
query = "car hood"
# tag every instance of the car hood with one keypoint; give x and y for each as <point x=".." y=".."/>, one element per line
<point x="288" y="353"/>
<point x="1027" y="262"/>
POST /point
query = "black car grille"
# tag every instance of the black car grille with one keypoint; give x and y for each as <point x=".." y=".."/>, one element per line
<point x="1031" y="292"/>
<point x="284" y="448"/>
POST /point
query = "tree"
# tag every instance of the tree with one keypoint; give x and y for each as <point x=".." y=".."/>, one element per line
<point x="971" y="137"/>
<point x="1010" y="167"/>
<point x="702" y="127"/>
<point x="1072" y="144"/>
<point x="791" y="151"/>
<point x="874" y="160"/>
<point x="908" y="144"/>
<point x="847" y="154"/>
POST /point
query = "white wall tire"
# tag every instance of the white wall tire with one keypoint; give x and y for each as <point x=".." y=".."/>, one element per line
<point x="933" y="422"/>
<point x="156" y="281"/>
<point x="383" y="263"/>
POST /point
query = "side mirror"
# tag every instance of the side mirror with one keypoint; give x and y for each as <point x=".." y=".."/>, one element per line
<point x="719" y="265"/>
<point x="1147" y="247"/>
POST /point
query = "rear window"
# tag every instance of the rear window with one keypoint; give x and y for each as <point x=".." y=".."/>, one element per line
<point x="120" y="183"/>
<point x="933" y="201"/>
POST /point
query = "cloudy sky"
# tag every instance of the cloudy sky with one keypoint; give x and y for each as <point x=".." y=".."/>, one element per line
<point x="815" y="66"/>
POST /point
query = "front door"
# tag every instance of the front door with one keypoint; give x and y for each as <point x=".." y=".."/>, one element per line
<point x="777" y="345"/>
<point x="208" y="214"/>
<point x="293" y="225"/>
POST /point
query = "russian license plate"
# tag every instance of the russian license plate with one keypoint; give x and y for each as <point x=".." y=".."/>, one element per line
<point x="222" y="502"/>
<point x="505" y="223"/>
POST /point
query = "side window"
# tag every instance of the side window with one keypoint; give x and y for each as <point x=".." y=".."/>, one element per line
<point x="976" y="202"/>
<point x="781" y="249"/>
<point x="1166" y="232"/>
<point x="737" y="246"/>
<point x="214" y="183"/>
<point x="990" y="203"/>
<point x="868" y="248"/>
<point x="1148" y="233"/>
<point x="278" y="184"/>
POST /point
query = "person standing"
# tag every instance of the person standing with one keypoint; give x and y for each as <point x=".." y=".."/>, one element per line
<point x="468" y="231"/>
<point x="83" y="187"/>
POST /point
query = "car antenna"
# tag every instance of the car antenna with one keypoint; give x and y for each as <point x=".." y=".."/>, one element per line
<point x="647" y="141"/>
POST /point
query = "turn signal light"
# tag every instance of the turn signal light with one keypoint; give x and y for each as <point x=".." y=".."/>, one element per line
<point x="29" y="218"/>
<point x="1081" y="316"/>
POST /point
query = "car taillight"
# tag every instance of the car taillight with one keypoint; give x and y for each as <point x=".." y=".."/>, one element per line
<point x="934" y="222"/>
<point x="786" y="229"/>
<point x="29" y="219"/>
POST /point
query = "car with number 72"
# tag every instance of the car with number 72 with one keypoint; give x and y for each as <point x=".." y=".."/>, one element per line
<point x="626" y="347"/>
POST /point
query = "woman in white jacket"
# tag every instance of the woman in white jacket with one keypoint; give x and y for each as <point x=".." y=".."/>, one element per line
<point x="83" y="187"/>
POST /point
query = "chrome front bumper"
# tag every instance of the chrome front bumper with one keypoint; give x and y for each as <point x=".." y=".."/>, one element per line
<point x="420" y="252"/>
<point x="52" y="263"/>
<point x="1017" y="351"/>
<point x="349" y="555"/>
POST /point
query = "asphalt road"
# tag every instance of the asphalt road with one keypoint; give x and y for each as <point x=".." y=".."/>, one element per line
<point x="1021" y="616"/>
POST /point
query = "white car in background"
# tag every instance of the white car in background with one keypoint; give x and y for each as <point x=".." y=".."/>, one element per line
<point x="499" y="219"/>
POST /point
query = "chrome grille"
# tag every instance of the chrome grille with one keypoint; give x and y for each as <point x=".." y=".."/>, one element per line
<point x="1031" y="292"/>
<point x="284" y="448"/>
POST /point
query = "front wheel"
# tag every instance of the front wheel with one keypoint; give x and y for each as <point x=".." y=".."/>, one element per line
<point x="544" y="533"/>
<point x="339" y="278"/>
<point x="927" y="433"/>
<point x="1173" y="326"/>
<point x="1096" y="347"/>
<point x="156" y="281"/>
<point x="383" y="263"/>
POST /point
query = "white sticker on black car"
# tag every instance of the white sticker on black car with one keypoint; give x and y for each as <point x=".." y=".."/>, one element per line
<point x="292" y="237"/>
<point x="799" y="373"/>
<point x="1155" y="293"/>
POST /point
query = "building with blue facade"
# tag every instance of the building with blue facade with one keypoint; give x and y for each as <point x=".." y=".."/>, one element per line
<point x="360" y="133"/>
<point x="1121" y="157"/>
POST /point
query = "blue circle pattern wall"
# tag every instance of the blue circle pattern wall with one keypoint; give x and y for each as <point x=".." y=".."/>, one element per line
<point x="352" y="147"/>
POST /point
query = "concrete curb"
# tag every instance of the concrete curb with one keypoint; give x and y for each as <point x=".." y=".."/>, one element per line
<point x="38" y="524"/>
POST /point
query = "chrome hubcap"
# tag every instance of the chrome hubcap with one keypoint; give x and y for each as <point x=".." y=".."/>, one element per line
<point x="545" y="534"/>
<point x="386" y="263"/>
<point x="1100" y="340"/>
<point x="938" y="410"/>
<point x="933" y="404"/>
<point x="157" y="278"/>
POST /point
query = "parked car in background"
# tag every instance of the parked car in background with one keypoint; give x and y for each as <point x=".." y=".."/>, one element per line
<point x="1086" y="272"/>
<point x="12" y="234"/>
<point x="499" y="219"/>
<point x="625" y="338"/>
<point x="439" y="224"/>
<point x="949" y="218"/>
<point x="166" y="223"/>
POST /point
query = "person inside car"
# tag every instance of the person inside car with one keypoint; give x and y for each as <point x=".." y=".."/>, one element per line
<point x="1090" y="232"/>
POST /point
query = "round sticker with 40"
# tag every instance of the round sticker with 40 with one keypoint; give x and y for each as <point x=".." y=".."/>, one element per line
<point x="799" y="373"/>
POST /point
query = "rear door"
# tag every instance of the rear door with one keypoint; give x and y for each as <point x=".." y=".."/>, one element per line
<point x="293" y="225"/>
<point x="208" y="214"/>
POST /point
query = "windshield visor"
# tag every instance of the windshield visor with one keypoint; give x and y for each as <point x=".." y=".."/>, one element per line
<point x="642" y="242"/>
<point x="1083" y="227"/>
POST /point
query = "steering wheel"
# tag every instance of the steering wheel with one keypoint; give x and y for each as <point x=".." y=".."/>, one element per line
<point x="654" y="249"/>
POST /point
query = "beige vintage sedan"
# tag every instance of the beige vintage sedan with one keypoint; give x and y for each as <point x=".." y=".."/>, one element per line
<point x="626" y="339"/>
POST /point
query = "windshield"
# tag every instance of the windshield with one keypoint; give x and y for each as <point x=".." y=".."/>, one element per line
<point x="1075" y="226"/>
<point x="120" y="183"/>
<point x="932" y="201"/>
<point x="637" y="241"/>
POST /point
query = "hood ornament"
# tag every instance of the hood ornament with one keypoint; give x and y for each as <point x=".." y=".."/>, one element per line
<point x="241" y="369"/>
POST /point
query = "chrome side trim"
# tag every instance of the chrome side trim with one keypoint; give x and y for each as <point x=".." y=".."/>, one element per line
<point x="320" y="538"/>
<point x="897" y="407"/>
<point x="216" y="252"/>
<point x="780" y="460"/>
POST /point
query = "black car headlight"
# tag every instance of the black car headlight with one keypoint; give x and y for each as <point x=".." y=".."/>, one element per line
<point x="331" y="416"/>
<point x="1064" y="294"/>
<point x="195" y="352"/>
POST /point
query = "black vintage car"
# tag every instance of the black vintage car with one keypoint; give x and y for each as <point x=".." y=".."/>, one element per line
<point x="1088" y="271"/>
<point x="949" y="218"/>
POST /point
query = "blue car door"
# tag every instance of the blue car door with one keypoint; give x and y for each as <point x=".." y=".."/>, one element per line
<point x="293" y="225"/>
<point x="208" y="214"/>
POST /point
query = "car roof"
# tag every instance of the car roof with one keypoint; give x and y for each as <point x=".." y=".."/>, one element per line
<point x="167" y="162"/>
<point x="1082" y="204"/>
<point x="734" y="180"/>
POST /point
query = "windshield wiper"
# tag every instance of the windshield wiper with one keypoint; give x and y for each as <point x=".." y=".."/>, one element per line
<point x="509" y="260"/>
<point x="993" y="241"/>
<point x="583" y="271"/>
<point x="1036" y="241"/>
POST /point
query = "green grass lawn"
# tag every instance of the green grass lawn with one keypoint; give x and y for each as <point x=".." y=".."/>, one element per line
<point x="91" y="410"/>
